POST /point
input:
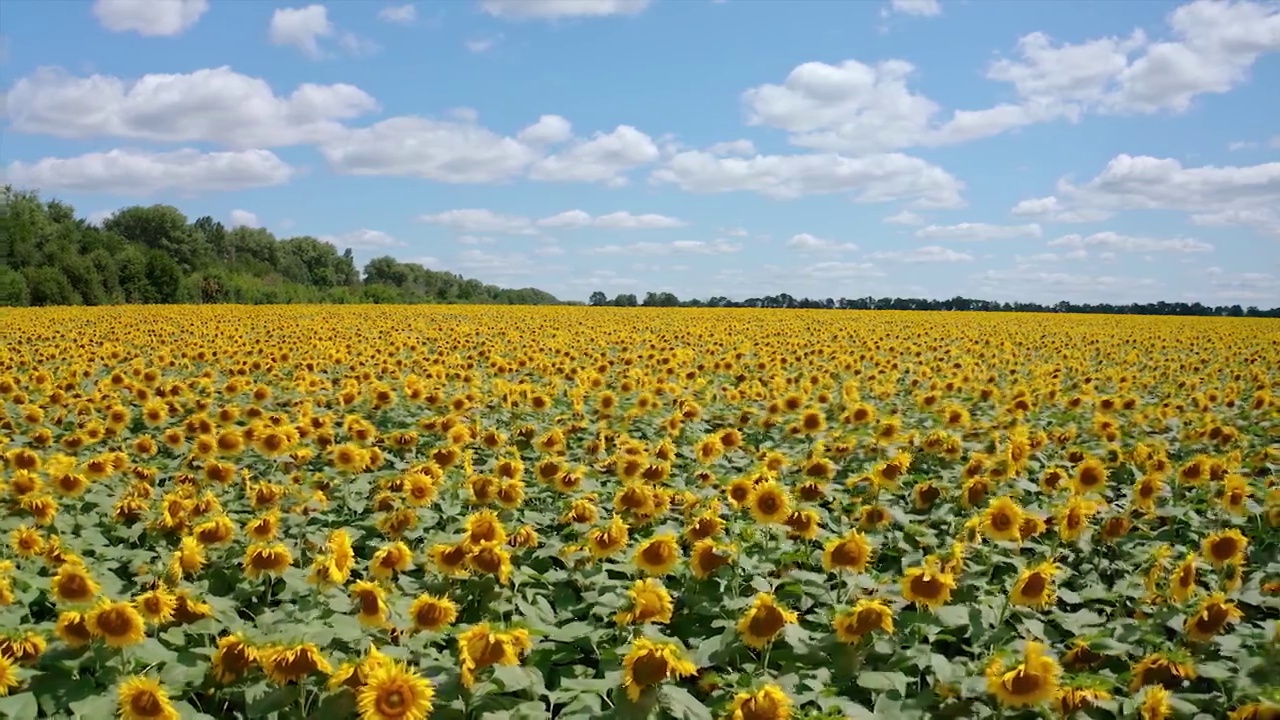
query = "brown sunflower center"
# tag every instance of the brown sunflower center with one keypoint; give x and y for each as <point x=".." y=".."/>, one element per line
<point x="766" y="622"/>
<point x="1023" y="683"/>
<point x="649" y="669"/>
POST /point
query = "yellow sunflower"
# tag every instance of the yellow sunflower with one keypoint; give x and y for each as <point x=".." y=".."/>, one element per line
<point x="143" y="698"/>
<point x="865" y="617"/>
<point x="393" y="691"/>
<point x="649" y="603"/>
<point x="649" y="663"/>
<point x="658" y="555"/>
<point x="432" y="613"/>
<point x="770" y="702"/>
<point x="117" y="623"/>
<point x="769" y="502"/>
<point x="1034" y="586"/>
<point x="764" y="620"/>
<point x="849" y="553"/>
<point x="1032" y="682"/>
<point x="928" y="584"/>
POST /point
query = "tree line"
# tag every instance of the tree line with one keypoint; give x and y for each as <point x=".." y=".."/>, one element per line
<point x="154" y="254"/>
<point x="782" y="301"/>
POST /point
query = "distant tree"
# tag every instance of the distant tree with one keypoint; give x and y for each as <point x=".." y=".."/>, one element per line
<point x="598" y="298"/>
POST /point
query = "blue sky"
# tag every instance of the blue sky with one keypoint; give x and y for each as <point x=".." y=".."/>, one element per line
<point x="1088" y="151"/>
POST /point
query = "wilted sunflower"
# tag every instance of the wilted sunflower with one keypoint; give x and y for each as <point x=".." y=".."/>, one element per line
<point x="24" y="649"/>
<point x="764" y="620"/>
<point x="1034" y="586"/>
<point x="432" y="613"/>
<point x="143" y="698"/>
<point x="648" y="663"/>
<point x="1032" y="682"/>
<point x="928" y="584"/>
<point x="1253" y="711"/>
<point x="864" y="618"/>
<point x="393" y="691"/>
<point x="770" y="702"/>
<point x="649" y="603"/>
<point x="73" y="629"/>
<point x="1075" y="698"/>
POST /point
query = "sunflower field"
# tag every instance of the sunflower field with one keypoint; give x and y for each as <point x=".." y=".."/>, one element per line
<point x="562" y="512"/>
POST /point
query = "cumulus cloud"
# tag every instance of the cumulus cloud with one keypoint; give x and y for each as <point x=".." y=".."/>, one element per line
<point x="215" y="105"/>
<point x="399" y="14"/>
<point x="926" y="254"/>
<point x="806" y="243"/>
<point x="692" y="247"/>
<point x="558" y="9"/>
<point x="1115" y="242"/>
<point x="305" y="28"/>
<point x="363" y="239"/>
<point x="150" y="18"/>
<point x="479" y="221"/>
<point x="602" y="158"/>
<point x="979" y="231"/>
<point x="244" y="218"/>
<point x="920" y="8"/>
<point x="136" y="173"/>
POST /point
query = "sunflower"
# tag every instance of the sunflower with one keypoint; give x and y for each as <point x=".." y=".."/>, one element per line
<point x="608" y="540"/>
<point x="924" y="495"/>
<point x="394" y="691"/>
<point x="1034" y="587"/>
<point x="1183" y="584"/>
<point x="1223" y="547"/>
<point x="232" y="658"/>
<point x="1252" y="711"/>
<point x="392" y="558"/>
<point x="649" y="663"/>
<point x="1213" y="615"/>
<point x="285" y="665"/>
<point x="649" y="603"/>
<point x="156" y="605"/>
<point x="850" y="553"/>
<point x="1032" y="682"/>
<point x="764" y="620"/>
<point x="658" y="555"/>
<point x="188" y="559"/>
<point x="1090" y="477"/>
<point x="1155" y="704"/>
<point x="432" y="613"/>
<point x="484" y="526"/>
<point x="371" y="603"/>
<point x="1072" y="699"/>
<point x="928" y="584"/>
<point x="118" y="623"/>
<point x="450" y="560"/>
<point x="23" y="649"/>
<point x="769" y="503"/>
<point x="260" y="559"/>
<point x="864" y="618"/>
<point x="770" y="702"/>
<point x="143" y="698"/>
<point x="72" y="629"/>
<point x="1002" y="520"/>
<point x="1159" y="669"/>
<point x="708" y="524"/>
<point x="707" y="556"/>
<point x="480" y="647"/>
<point x="803" y="524"/>
<point x="27" y="541"/>
<point x="73" y="584"/>
<point x="8" y="676"/>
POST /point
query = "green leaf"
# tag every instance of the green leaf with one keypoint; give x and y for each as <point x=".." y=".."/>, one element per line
<point x="514" y="678"/>
<point x="878" y="680"/>
<point x="680" y="704"/>
<point x="953" y="615"/>
<point x="274" y="701"/>
<point x="22" y="706"/>
<point x="98" y="706"/>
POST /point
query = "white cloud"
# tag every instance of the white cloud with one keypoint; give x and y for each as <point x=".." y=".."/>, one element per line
<point x="301" y="28"/>
<point x="926" y="254"/>
<point x="355" y="45"/>
<point x="548" y="130"/>
<point x="733" y="147"/>
<point x="1262" y="219"/>
<point x="97" y="217"/>
<point x="1042" y="286"/>
<point x="363" y="239"/>
<point x="149" y="18"/>
<point x="1115" y="242"/>
<point x="483" y="44"/>
<point x="441" y="150"/>
<point x="804" y="242"/>
<point x="692" y="247"/>
<point x="1051" y="209"/>
<point x="627" y="221"/>
<point x="244" y="218"/>
<point x="869" y="179"/>
<point x="555" y="9"/>
<point x="1244" y="287"/>
<point x="472" y="221"/>
<point x="603" y="158"/>
<point x="399" y="14"/>
<point x="1148" y="183"/>
<point x="837" y="270"/>
<point x="921" y="8"/>
<point x="906" y="217"/>
<point x="979" y="231"/>
<point x="212" y="105"/>
<point x="855" y="107"/>
<point x="133" y="172"/>
<point x="1242" y="145"/>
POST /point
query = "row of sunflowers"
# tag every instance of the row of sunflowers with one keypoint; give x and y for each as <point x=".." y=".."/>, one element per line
<point x="401" y="513"/>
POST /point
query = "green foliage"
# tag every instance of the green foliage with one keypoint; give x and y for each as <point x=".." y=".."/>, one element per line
<point x="153" y="254"/>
